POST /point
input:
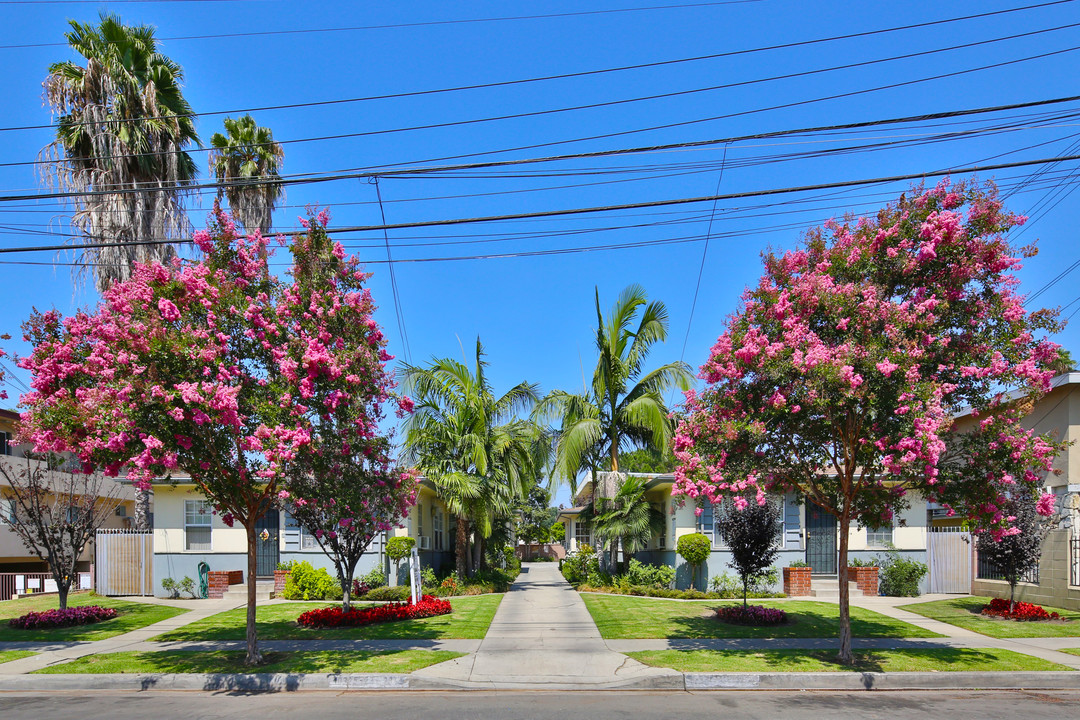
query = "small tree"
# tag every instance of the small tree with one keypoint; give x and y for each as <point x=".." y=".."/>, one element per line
<point x="56" y="513"/>
<point x="751" y="534"/>
<point x="398" y="549"/>
<point x="628" y="520"/>
<point x="694" y="549"/>
<point x="1018" y="553"/>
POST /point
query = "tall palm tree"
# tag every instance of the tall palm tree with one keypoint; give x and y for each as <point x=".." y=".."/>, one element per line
<point x="470" y="444"/>
<point x="246" y="162"/>
<point x="624" y="405"/>
<point x="122" y="126"/>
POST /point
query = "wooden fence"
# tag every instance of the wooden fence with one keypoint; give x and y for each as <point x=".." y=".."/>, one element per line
<point x="125" y="562"/>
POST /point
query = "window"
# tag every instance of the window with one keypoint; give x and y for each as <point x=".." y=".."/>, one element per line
<point x="705" y="523"/>
<point x="297" y="537"/>
<point x="197" y="525"/>
<point x="6" y="445"/>
<point x="581" y="533"/>
<point x="436" y="529"/>
<point x="7" y="511"/>
<point x="879" y="537"/>
<point x="419" y="522"/>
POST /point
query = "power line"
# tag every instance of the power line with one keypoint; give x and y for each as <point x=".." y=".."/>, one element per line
<point x="607" y="208"/>
<point x="394" y="171"/>
<point x="393" y="277"/>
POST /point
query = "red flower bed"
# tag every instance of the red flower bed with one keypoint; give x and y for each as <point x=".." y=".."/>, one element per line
<point x="754" y="615"/>
<point x="84" y="615"/>
<point x="999" y="607"/>
<point x="336" y="617"/>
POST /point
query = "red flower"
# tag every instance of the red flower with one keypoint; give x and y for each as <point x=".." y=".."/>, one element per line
<point x="336" y="617"/>
<point x="999" y="607"/>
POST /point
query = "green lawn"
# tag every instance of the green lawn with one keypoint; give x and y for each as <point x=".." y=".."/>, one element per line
<point x="964" y="612"/>
<point x="470" y="620"/>
<point x="353" y="661"/>
<point x="623" y="617"/>
<point x="6" y="655"/>
<point x="133" y="615"/>
<point x="930" y="660"/>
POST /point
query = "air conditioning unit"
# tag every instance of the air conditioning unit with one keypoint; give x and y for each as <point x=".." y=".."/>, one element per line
<point x="425" y="542"/>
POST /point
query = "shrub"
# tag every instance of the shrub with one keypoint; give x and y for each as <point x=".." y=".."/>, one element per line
<point x="577" y="565"/>
<point x="170" y="586"/>
<point x="449" y="587"/>
<point x="724" y="585"/>
<point x="999" y="607"/>
<point x="307" y="583"/>
<point x="428" y="606"/>
<point x="286" y="566"/>
<point x="428" y="578"/>
<point x="188" y="585"/>
<point x="694" y="549"/>
<point x="899" y="576"/>
<point x="386" y="592"/>
<point x="84" y="615"/>
<point x="798" y="564"/>
<point x="399" y="548"/>
<point x="649" y="575"/>
<point x="860" y="562"/>
<point x="755" y="615"/>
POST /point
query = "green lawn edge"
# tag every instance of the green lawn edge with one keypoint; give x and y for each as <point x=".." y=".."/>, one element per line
<point x="9" y="655"/>
<point x="133" y="615"/>
<point x="963" y="612"/>
<point x="913" y="660"/>
<point x="622" y="617"/>
<point x="470" y="619"/>
<point x="227" y="661"/>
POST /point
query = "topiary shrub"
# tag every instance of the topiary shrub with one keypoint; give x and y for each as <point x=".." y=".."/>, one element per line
<point x="307" y="583"/>
<point x="694" y="549"/>
<point x="397" y="549"/>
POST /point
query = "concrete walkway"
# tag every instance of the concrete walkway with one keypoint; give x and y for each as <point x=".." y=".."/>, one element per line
<point x="542" y="635"/>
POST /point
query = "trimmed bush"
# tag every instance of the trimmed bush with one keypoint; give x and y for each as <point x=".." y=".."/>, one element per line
<point x="899" y="576"/>
<point x="84" y="615"/>
<point x="400" y="592"/>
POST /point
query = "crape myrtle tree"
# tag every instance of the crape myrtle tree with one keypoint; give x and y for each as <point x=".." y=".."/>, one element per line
<point x="838" y="375"/>
<point x="752" y="536"/>
<point x="207" y="369"/>
<point x="342" y="485"/>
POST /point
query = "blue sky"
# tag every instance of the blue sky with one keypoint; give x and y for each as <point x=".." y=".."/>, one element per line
<point x="534" y="312"/>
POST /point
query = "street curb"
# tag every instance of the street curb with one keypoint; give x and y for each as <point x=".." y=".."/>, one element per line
<point x="694" y="681"/>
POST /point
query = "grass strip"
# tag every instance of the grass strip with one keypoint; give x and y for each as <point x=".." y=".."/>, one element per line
<point x="9" y="655"/>
<point x="133" y="615"/>
<point x="928" y="660"/>
<point x="964" y="612"/>
<point x="227" y="661"/>
<point x="622" y="617"/>
<point x="470" y="620"/>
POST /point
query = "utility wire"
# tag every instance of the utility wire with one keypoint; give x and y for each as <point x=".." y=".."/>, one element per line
<point x="393" y="279"/>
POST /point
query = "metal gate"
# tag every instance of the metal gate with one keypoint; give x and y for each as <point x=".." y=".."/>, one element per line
<point x="124" y="562"/>
<point x="267" y="529"/>
<point x="949" y="552"/>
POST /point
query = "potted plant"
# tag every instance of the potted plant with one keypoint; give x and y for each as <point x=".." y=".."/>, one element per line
<point x="864" y="573"/>
<point x="281" y="576"/>
<point x="797" y="579"/>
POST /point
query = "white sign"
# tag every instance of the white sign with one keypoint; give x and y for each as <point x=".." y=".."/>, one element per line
<point x="20" y="583"/>
<point x="50" y="586"/>
<point x="33" y="583"/>
<point x="414" y="576"/>
<point x="84" y="581"/>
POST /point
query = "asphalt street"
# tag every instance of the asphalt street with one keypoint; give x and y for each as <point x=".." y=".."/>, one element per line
<point x="557" y="705"/>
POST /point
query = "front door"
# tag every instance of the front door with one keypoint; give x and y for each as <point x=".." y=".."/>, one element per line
<point x="820" y="540"/>
<point x="267" y="529"/>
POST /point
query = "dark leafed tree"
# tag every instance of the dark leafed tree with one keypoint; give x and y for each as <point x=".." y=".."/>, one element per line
<point x="751" y="535"/>
<point x="56" y="513"/>
<point x="122" y="124"/>
<point x="246" y="162"/>
<point x="1017" y="554"/>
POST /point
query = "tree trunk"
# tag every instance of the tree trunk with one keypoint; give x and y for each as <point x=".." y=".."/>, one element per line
<point x="477" y="546"/>
<point x="62" y="593"/>
<point x="253" y="655"/>
<point x="142" y="509"/>
<point x="462" y="542"/>
<point x="845" y="610"/>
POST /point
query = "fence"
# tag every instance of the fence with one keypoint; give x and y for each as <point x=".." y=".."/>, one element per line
<point x="949" y="556"/>
<point x="988" y="571"/>
<point x="1074" y="561"/>
<point x="125" y="562"/>
<point x="12" y="584"/>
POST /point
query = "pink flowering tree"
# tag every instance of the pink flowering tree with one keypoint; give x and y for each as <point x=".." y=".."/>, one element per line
<point x="202" y="369"/>
<point x="342" y="485"/>
<point x="838" y="376"/>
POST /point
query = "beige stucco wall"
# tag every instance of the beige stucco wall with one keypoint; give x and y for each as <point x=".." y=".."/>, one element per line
<point x="909" y="529"/>
<point x="169" y="524"/>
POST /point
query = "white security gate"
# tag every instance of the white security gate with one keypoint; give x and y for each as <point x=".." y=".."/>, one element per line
<point x="124" y="562"/>
<point x="949" y="553"/>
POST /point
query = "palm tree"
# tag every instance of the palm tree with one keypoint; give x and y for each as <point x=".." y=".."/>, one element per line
<point x="611" y="415"/>
<point x="628" y="519"/>
<point x="470" y="444"/>
<point x="122" y="126"/>
<point x="246" y="162"/>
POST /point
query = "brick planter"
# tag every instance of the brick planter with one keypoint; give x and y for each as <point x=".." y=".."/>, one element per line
<point x="280" y="578"/>
<point x="220" y="580"/>
<point x="796" y="581"/>
<point x="865" y="578"/>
